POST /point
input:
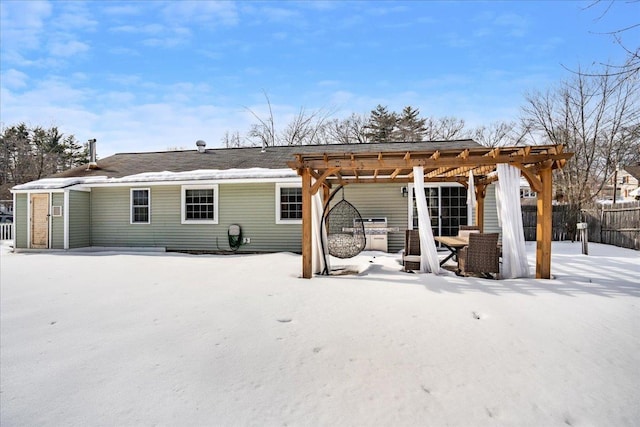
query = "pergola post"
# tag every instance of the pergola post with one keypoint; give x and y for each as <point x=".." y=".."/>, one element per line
<point x="544" y="225"/>
<point x="307" y="266"/>
<point x="481" y="191"/>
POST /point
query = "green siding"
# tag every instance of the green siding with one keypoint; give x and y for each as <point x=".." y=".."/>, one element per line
<point x="491" y="211"/>
<point x="57" y="222"/>
<point x="381" y="200"/>
<point x="110" y="220"/>
<point x="20" y="221"/>
<point x="252" y="206"/>
<point x="79" y="219"/>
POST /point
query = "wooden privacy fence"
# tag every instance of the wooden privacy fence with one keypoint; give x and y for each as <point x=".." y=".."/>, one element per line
<point x="563" y="223"/>
<point x="612" y="225"/>
<point x="619" y="225"/>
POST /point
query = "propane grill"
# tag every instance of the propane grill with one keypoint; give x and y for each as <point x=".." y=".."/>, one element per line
<point x="376" y="231"/>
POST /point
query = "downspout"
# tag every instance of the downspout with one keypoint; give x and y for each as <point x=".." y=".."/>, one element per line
<point x="28" y="220"/>
<point x="65" y="216"/>
<point x="50" y="221"/>
<point x="15" y="222"/>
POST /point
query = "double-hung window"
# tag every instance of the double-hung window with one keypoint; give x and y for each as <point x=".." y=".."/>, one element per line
<point x="140" y="206"/>
<point x="200" y="204"/>
<point x="288" y="204"/>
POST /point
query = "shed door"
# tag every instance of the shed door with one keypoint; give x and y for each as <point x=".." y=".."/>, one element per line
<point x="40" y="221"/>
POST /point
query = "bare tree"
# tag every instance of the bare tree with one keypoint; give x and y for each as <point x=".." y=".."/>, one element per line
<point x="232" y="140"/>
<point x="499" y="133"/>
<point x="443" y="128"/>
<point x="349" y="130"/>
<point x="263" y="132"/>
<point x="631" y="66"/>
<point x="595" y="116"/>
<point x="305" y="128"/>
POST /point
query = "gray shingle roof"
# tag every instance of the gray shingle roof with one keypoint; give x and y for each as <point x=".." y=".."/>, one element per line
<point x="125" y="164"/>
<point x="634" y="171"/>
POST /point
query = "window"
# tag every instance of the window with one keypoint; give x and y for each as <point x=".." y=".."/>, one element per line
<point x="200" y="204"/>
<point x="288" y="204"/>
<point x="526" y="193"/>
<point x="140" y="206"/>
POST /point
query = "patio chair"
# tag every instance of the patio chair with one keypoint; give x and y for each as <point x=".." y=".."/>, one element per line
<point x="482" y="256"/>
<point x="411" y="254"/>
<point x="465" y="230"/>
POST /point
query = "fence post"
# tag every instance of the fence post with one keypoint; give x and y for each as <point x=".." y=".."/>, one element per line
<point x="582" y="229"/>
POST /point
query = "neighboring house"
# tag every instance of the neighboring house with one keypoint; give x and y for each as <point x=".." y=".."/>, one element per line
<point x="187" y="201"/>
<point x="626" y="180"/>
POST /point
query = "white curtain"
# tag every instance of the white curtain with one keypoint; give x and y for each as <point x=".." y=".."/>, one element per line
<point x="514" y="254"/>
<point x="429" y="262"/>
<point x="471" y="199"/>
<point x="318" y="235"/>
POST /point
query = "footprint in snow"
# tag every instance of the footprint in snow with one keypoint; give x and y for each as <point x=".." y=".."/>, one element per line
<point x="284" y="320"/>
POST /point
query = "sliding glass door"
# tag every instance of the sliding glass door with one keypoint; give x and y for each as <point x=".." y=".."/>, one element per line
<point x="447" y="209"/>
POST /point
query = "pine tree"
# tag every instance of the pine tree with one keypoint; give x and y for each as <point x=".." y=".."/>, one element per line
<point x="410" y="127"/>
<point x="28" y="154"/>
<point x="381" y="125"/>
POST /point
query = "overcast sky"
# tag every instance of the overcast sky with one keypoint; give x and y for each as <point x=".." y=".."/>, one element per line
<point x="147" y="76"/>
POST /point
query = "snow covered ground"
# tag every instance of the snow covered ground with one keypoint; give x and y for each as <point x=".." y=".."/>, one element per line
<point x="171" y="339"/>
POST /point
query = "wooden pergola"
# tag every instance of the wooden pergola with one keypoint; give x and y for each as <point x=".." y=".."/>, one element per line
<point x="444" y="165"/>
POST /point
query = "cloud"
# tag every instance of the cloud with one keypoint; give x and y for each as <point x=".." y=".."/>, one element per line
<point x="22" y="24"/>
<point x="73" y="17"/>
<point x="128" y="9"/>
<point x="148" y="29"/>
<point x="156" y="35"/>
<point x="14" y="79"/>
<point x="489" y="23"/>
<point x="67" y="49"/>
<point x="515" y="25"/>
<point x="201" y="12"/>
<point x="384" y="11"/>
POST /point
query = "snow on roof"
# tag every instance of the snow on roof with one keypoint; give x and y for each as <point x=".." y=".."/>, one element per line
<point x="56" y="183"/>
<point x="206" y="174"/>
<point x="195" y="175"/>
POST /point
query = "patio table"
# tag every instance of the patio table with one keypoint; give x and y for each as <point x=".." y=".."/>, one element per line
<point x="453" y="244"/>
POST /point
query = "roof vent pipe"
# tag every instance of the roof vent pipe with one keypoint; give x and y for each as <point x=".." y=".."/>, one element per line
<point x="92" y="154"/>
<point x="201" y="145"/>
<point x="264" y="147"/>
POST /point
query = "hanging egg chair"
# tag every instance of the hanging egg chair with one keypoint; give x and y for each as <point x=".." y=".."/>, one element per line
<point x="345" y="230"/>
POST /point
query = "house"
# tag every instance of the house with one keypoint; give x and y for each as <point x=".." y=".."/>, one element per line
<point x="188" y="200"/>
<point x="625" y="182"/>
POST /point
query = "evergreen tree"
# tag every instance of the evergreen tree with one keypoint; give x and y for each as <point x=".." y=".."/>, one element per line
<point x="28" y="154"/>
<point x="410" y="127"/>
<point x="381" y="125"/>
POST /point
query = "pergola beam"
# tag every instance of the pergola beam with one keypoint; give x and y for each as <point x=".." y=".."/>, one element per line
<point x="364" y="164"/>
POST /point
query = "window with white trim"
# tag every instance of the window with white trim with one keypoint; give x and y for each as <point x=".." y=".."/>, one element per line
<point x="288" y="204"/>
<point x="526" y="193"/>
<point x="200" y="204"/>
<point x="140" y="206"/>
